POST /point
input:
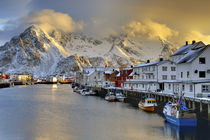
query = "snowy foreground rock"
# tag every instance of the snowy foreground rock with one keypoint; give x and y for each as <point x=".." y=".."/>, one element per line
<point x="39" y="53"/>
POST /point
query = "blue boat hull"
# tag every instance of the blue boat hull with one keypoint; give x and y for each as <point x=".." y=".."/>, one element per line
<point x="181" y="121"/>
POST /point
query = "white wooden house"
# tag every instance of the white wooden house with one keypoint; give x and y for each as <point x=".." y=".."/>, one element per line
<point x="153" y="76"/>
<point x="92" y="76"/>
<point x="193" y="69"/>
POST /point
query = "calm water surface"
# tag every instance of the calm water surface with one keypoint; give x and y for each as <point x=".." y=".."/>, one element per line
<point x="54" y="112"/>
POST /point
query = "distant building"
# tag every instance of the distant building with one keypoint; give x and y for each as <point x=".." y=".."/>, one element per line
<point x="123" y="75"/>
<point x="188" y="71"/>
<point x="111" y="77"/>
<point x="20" y="77"/>
<point x="153" y="76"/>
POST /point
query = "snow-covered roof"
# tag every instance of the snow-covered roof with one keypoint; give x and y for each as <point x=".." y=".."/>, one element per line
<point x="184" y="49"/>
<point x="91" y="72"/>
<point x="100" y="69"/>
<point x="127" y="69"/>
<point x="131" y="74"/>
<point x="118" y="75"/>
<point x="151" y="64"/>
<point x="108" y="72"/>
<point x="88" y="70"/>
<point x="116" y="69"/>
<point x="191" y="55"/>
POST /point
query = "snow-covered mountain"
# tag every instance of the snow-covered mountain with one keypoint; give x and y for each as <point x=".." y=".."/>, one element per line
<point x="40" y="53"/>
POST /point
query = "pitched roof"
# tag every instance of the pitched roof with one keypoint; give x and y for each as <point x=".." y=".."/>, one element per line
<point x="151" y="64"/>
<point x="127" y="69"/>
<point x="191" y="55"/>
<point x="131" y="74"/>
<point x="118" y="75"/>
<point x="108" y="72"/>
<point x="184" y="49"/>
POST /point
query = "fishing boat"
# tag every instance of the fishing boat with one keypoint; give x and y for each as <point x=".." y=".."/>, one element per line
<point x="120" y="97"/>
<point x="92" y="93"/>
<point x="148" y="104"/>
<point x="75" y="89"/>
<point x="79" y="90"/>
<point x="89" y="93"/>
<point x="85" y="92"/>
<point x="110" y="97"/>
<point x="178" y="114"/>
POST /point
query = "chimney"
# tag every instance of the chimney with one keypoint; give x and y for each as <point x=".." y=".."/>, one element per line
<point x="161" y="59"/>
<point x="186" y="42"/>
<point x="148" y="61"/>
<point x="193" y="42"/>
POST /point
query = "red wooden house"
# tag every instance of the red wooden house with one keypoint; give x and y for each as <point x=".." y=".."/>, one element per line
<point x="125" y="74"/>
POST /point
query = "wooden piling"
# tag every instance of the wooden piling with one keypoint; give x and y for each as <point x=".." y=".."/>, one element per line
<point x="201" y="107"/>
<point x="208" y="111"/>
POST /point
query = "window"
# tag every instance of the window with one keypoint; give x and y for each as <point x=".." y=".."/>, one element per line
<point x="173" y="68"/>
<point x="202" y="74"/>
<point x="98" y="75"/>
<point x="183" y="87"/>
<point x="191" y="88"/>
<point x="205" y="88"/>
<point x="164" y="68"/>
<point x="188" y="74"/>
<point x="181" y="74"/>
<point x="169" y="86"/>
<point x="202" y="60"/>
<point x="164" y="77"/>
<point x="153" y="68"/>
<point x="173" y="77"/>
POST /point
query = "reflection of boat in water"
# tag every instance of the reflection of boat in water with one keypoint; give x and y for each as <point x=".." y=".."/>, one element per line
<point x="179" y="132"/>
<point x="148" y="104"/>
<point x="178" y="114"/>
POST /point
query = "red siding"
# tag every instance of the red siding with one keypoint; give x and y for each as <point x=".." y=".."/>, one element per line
<point x="124" y="75"/>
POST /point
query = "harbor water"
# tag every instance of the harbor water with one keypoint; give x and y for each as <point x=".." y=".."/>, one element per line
<point x="55" y="112"/>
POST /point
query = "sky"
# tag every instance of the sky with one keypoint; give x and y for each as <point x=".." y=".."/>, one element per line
<point x="176" y="21"/>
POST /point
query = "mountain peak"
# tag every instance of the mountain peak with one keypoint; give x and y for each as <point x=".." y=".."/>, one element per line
<point x="33" y="27"/>
<point x="34" y="31"/>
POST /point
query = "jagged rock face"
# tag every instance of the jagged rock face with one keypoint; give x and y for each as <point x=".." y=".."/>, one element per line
<point x="167" y="50"/>
<point x="30" y="52"/>
<point x="40" y="53"/>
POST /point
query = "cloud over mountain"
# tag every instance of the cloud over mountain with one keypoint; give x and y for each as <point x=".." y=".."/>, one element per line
<point x="149" y="29"/>
<point x="49" y="20"/>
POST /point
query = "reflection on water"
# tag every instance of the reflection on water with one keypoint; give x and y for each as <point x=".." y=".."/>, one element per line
<point x="179" y="132"/>
<point x="54" y="86"/>
<point x="54" y="112"/>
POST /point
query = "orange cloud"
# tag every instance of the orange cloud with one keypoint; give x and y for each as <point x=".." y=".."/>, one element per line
<point x="149" y="29"/>
<point x="50" y="20"/>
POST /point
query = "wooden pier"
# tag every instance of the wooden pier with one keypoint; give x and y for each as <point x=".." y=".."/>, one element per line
<point x="4" y="85"/>
<point x="199" y="105"/>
